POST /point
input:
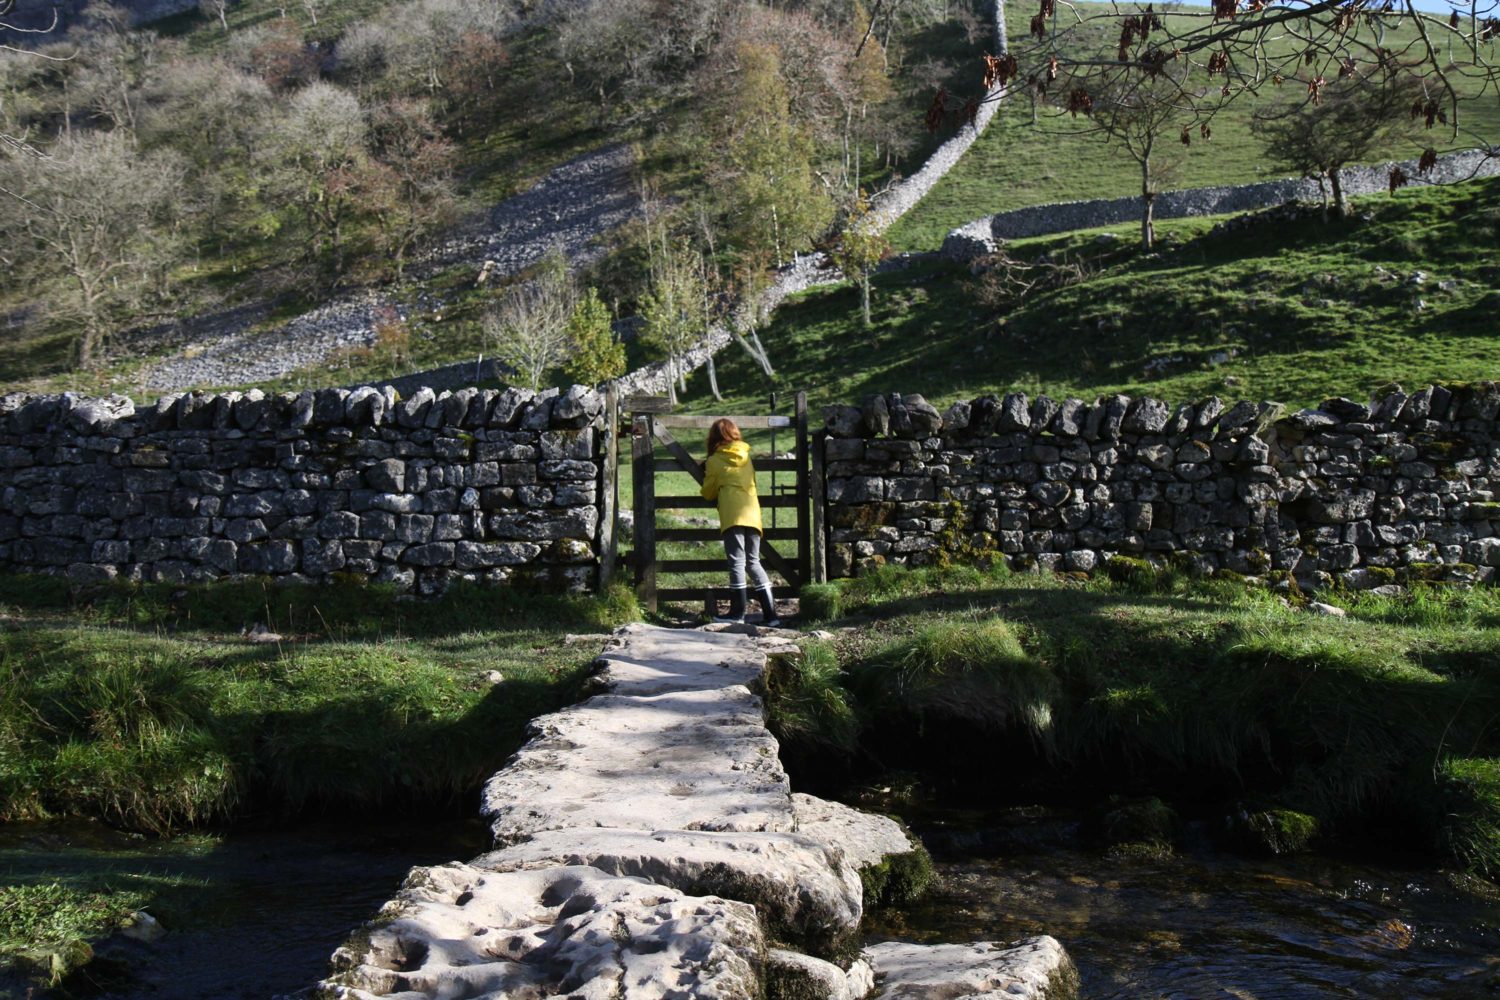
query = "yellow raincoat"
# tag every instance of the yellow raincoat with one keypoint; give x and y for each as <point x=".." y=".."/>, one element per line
<point x="729" y="478"/>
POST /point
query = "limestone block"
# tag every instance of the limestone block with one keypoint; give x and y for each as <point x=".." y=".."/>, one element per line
<point x="1033" y="969"/>
<point x="458" y="930"/>
<point x="805" y="887"/>
<point x="791" y="974"/>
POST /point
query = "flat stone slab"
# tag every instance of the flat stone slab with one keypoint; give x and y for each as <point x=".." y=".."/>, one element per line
<point x="865" y="838"/>
<point x="1033" y="969"/>
<point x="697" y="759"/>
<point x="461" y="931"/>
<point x="804" y="887"/>
<point x="646" y="660"/>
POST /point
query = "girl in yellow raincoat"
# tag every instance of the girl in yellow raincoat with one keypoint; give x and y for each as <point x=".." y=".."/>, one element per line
<point x="729" y="478"/>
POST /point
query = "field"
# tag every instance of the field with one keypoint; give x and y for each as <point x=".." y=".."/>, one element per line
<point x="1016" y="164"/>
<point x="1294" y="311"/>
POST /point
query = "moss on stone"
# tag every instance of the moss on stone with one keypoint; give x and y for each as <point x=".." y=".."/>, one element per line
<point x="1064" y="983"/>
<point x="1129" y="569"/>
<point x="1141" y="851"/>
<point x="898" y="878"/>
<point x="1273" y="831"/>
<point x="1138" y="821"/>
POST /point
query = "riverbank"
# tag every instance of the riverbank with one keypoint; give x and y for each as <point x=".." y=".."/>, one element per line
<point x="1153" y="700"/>
<point x="163" y="709"/>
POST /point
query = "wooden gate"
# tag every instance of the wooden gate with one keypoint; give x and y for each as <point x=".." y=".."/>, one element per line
<point x="654" y="450"/>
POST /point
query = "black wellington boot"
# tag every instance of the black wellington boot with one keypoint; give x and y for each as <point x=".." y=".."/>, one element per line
<point x="736" y="608"/>
<point x="767" y="609"/>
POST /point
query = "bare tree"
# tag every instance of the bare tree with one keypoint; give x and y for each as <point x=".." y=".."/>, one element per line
<point x="1352" y="117"/>
<point x="1245" y="47"/>
<point x="217" y="9"/>
<point x="317" y="150"/>
<point x="93" y="213"/>
<point x="675" y="305"/>
<point x="410" y="180"/>
<point x="528" y="328"/>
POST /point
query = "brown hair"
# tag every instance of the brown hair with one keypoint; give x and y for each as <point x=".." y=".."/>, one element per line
<point x="721" y="433"/>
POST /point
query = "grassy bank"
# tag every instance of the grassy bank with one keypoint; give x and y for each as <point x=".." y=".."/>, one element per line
<point x="1018" y="163"/>
<point x="1288" y="310"/>
<point x="152" y="709"/>
<point x="1219" y="699"/>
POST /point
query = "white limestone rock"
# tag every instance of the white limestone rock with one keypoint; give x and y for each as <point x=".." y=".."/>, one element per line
<point x="645" y="660"/>
<point x="686" y="760"/>
<point x="865" y="838"/>
<point x="793" y="975"/>
<point x="461" y="931"/>
<point x="1033" y="969"/>
<point x="803" y="887"/>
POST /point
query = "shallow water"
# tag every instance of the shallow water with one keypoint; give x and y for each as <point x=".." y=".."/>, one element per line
<point x="265" y="910"/>
<point x="1211" y="925"/>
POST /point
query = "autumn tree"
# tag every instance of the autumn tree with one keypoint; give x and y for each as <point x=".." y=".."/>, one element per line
<point x="1351" y="119"/>
<point x="95" y="217"/>
<point x="218" y="9"/>
<point x="764" y="173"/>
<point x="409" y="179"/>
<point x="528" y="327"/>
<point x="318" y="150"/>
<point x="860" y="247"/>
<point x="595" y="354"/>
<point x="1143" y="118"/>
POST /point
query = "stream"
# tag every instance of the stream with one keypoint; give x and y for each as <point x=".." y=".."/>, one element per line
<point x="1205" y="925"/>
<point x="254" y="915"/>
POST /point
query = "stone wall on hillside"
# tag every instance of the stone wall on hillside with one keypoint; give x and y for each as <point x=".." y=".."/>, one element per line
<point x="1405" y="488"/>
<point x="984" y="236"/>
<point x="479" y="485"/>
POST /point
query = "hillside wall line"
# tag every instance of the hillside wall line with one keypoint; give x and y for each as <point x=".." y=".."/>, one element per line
<point x="984" y="236"/>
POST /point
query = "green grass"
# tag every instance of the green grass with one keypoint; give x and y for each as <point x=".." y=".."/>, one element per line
<point x="1201" y="693"/>
<point x="1294" y="312"/>
<point x="146" y="708"/>
<point x="1016" y="165"/>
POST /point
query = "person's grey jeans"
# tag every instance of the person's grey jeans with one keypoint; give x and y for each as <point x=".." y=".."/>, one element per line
<point x="742" y="549"/>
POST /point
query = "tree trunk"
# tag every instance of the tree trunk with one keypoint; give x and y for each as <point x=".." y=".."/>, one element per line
<point x="713" y="380"/>
<point x="864" y="297"/>
<point x="1340" y="199"/>
<point x="1148" y="201"/>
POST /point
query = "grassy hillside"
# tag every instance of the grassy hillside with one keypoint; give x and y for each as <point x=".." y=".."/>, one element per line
<point x="1016" y="164"/>
<point x="1287" y="311"/>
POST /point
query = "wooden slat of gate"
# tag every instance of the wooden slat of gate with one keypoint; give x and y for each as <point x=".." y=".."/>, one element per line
<point x="685" y="502"/>
<point x="713" y="534"/>
<point x="688" y="421"/>
<point x="761" y="465"/>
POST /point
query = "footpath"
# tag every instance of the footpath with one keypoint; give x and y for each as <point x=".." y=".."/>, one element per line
<point x="649" y="845"/>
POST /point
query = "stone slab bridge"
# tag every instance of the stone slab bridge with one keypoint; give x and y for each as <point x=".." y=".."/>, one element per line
<point x="649" y="845"/>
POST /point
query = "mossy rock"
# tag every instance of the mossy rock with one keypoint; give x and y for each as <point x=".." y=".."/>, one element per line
<point x="820" y="602"/>
<point x="1129" y="569"/>
<point x="1141" y="851"/>
<point x="1469" y="806"/>
<point x="898" y="878"/>
<point x="52" y="963"/>
<point x="1272" y="831"/>
<point x="1138" y="821"/>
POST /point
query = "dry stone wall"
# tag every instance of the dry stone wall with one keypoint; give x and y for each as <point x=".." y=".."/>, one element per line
<point x="478" y="485"/>
<point x="1367" y="495"/>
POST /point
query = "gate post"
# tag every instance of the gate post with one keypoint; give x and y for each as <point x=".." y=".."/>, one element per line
<point x="804" y="495"/>
<point x="643" y="477"/>
<point x="819" y="500"/>
<point x="609" y="490"/>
